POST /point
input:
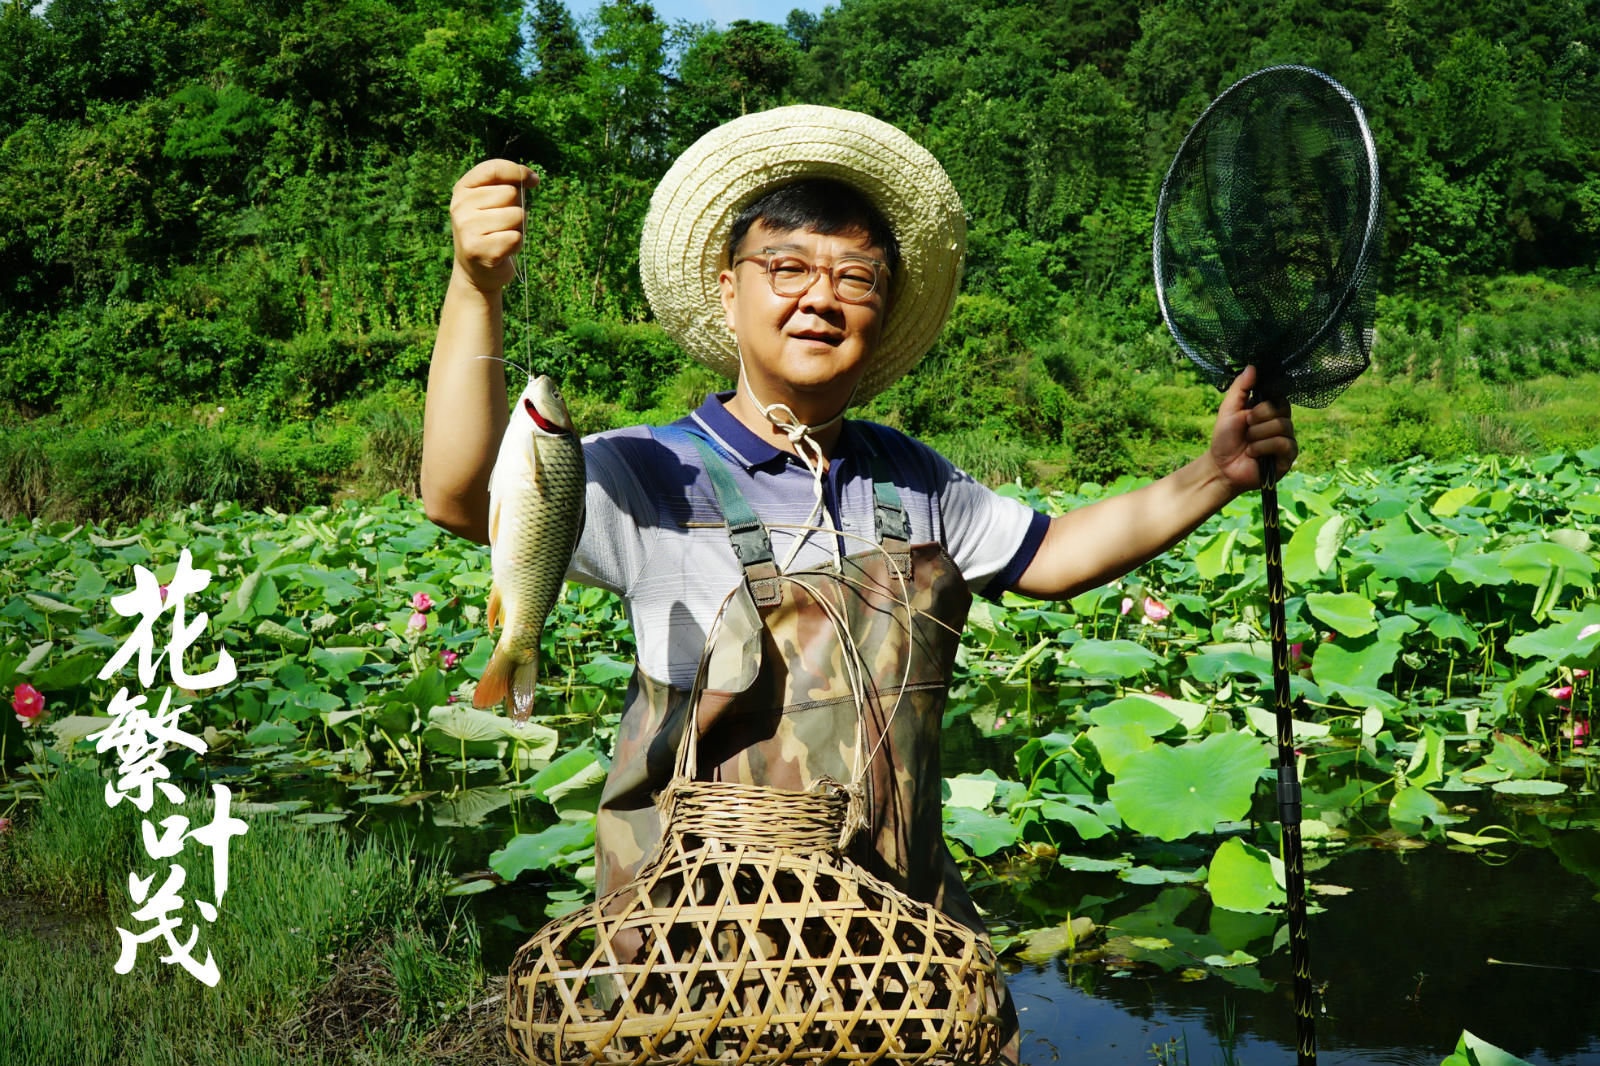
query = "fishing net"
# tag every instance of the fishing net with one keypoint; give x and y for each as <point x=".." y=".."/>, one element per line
<point x="1265" y="250"/>
<point x="1266" y="237"/>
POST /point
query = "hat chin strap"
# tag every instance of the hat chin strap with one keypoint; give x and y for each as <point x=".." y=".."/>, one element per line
<point x="805" y="446"/>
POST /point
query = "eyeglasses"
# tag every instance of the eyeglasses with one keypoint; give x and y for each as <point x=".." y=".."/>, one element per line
<point x="854" y="278"/>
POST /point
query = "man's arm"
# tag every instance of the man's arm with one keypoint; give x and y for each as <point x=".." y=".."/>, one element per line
<point x="1092" y="545"/>
<point x="465" y="414"/>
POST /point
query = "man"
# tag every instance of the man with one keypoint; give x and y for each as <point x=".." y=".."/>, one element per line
<point x="813" y="254"/>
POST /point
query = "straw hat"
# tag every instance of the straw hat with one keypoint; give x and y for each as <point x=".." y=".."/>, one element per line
<point x="686" y="232"/>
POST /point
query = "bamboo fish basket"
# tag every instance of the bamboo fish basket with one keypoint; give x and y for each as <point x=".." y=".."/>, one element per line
<point x="750" y="938"/>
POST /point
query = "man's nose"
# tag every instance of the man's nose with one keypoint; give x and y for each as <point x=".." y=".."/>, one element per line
<point x="819" y="296"/>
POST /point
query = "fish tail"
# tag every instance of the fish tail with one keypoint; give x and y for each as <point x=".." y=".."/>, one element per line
<point x="507" y="681"/>
<point x="524" y="682"/>
<point x="494" y="607"/>
<point x="495" y="684"/>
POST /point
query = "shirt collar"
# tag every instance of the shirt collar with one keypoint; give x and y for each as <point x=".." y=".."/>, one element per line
<point x="737" y="439"/>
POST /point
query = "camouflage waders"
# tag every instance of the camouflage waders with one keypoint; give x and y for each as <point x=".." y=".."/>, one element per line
<point x="777" y="705"/>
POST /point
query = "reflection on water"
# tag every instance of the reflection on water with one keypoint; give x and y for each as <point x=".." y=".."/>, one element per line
<point x="1405" y="960"/>
<point x="1402" y="959"/>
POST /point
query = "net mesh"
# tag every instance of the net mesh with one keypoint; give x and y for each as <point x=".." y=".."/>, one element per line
<point x="1265" y="237"/>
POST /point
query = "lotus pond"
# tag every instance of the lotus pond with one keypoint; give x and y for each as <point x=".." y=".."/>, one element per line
<point x="1108" y="782"/>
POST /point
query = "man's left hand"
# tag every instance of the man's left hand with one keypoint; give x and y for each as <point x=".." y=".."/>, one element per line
<point x="1245" y="435"/>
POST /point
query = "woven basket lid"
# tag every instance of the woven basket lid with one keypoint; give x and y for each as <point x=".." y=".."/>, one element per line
<point x="685" y="239"/>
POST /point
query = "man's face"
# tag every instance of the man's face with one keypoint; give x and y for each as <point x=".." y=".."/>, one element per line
<point x="813" y="346"/>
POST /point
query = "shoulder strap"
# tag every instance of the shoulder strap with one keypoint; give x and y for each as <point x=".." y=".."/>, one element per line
<point x="889" y="520"/>
<point x="751" y="545"/>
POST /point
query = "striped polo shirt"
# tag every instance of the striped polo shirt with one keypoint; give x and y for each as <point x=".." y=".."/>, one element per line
<point x="653" y="532"/>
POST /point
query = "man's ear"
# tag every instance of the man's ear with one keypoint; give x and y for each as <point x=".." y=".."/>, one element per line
<point x="725" y="283"/>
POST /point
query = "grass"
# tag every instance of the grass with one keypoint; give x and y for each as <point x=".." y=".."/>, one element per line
<point x="329" y="952"/>
<point x="90" y="464"/>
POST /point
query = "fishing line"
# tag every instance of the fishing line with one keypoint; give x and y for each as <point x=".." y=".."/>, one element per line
<point x="508" y="362"/>
<point x="519" y="271"/>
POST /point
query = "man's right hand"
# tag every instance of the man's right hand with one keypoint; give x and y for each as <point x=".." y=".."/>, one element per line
<point x="486" y="220"/>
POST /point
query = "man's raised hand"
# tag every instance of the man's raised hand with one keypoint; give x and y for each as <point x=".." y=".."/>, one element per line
<point x="1243" y="436"/>
<point x="486" y="221"/>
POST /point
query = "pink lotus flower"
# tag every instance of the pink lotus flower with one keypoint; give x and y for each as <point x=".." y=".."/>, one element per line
<point x="1154" y="611"/>
<point x="1561" y="692"/>
<point x="1576" y="730"/>
<point x="28" y="702"/>
<point x="417" y="622"/>
<point x="163" y="593"/>
<point x="449" y="659"/>
<point x="1127" y="604"/>
<point x="421" y="603"/>
<point x="1580" y="673"/>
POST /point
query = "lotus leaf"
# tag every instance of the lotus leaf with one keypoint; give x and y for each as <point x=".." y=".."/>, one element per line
<point x="1116" y="743"/>
<point x="1086" y="865"/>
<point x="1476" y="1051"/>
<point x="1362" y="663"/>
<point x="1485" y="569"/>
<point x="452" y="730"/>
<point x="1043" y="945"/>
<point x="1427" y="761"/>
<point x="574" y="771"/>
<point x="1530" y="788"/>
<point x="1088" y="825"/>
<point x="1112" y="658"/>
<point x="1559" y="643"/>
<point x="272" y="733"/>
<point x="1212" y="560"/>
<point x="1314" y="546"/>
<point x="1454" y="499"/>
<point x="338" y="662"/>
<point x="562" y="844"/>
<point x="969" y="790"/>
<point x="1151" y="875"/>
<point x="1245" y="878"/>
<point x="50" y="603"/>
<point x="1139" y="711"/>
<point x="1417" y="557"/>
<point x="1531" y="563"/>
<point x="1347" y="613"/>
<point x="984" y="834"/>
<point x="1219" y="661"/>
<point x="1171" y="792"/>
<point x="1411" y="806"/>
<point x="1265" y="722"/>
<point x="70" y="672"/>
<point x="1513" y="754"/>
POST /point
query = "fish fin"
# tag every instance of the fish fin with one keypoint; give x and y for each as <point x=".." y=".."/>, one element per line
<point x="495" y="685"/>
<point x="536" y="470"/>
<point x="524" y="683"/>
<point x="494" y="607"/>
<point x="494" y="519"/>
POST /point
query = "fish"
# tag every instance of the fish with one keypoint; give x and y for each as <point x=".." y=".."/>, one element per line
<point x="535" y="518"/>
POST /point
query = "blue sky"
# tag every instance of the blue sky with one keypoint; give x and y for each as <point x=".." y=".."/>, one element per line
<point x="721" y="12"/>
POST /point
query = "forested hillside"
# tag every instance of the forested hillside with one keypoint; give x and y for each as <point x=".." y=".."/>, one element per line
<point x="241" y="204"/>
